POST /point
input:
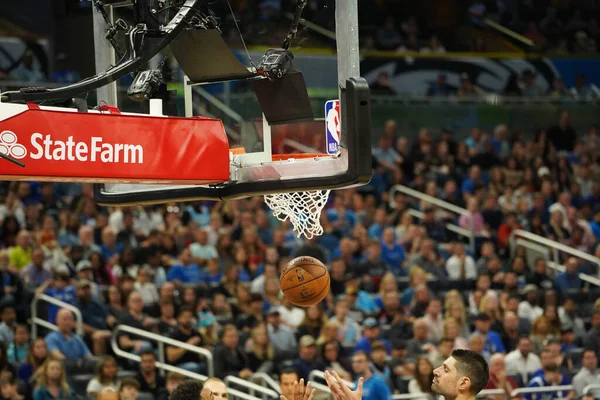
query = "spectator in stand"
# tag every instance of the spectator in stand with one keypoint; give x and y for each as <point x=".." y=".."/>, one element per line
<point x="522" y="361"/>
<point x="435" y="321"/>
<point x="95" y="318"/>
<point x="20" y="255"/>
<point x="149" y="379"/>
<point x="499" y="379"/>
<point x="63" y="344"/>
<point x="371" y="333"/>
<point x="440" y="88"/>
<point x="460" y="266"/>
<point x="52" y="383"/>
<point x="106" y="377"/>
<point x="588" y="374"/>
<point x="229" y="358"/>
<point x="550" y="376"/>
<point x="423" y="377"/>
<point x="182" y="358"/>
<point x="569" y="280"/>
<point x="374" y="388"/>
<point x="129" y="390"/>
<point x="382" y="86"/>
<point x="492" y="341"/>
<point x="591" y="340"/>
<point x="307" y="358"/>
<point x="186" y="271"/>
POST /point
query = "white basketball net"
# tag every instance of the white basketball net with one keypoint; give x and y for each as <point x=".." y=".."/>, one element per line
<point x="303" y="209"/>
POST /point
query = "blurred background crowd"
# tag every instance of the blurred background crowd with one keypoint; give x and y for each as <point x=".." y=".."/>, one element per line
<point x="404" y="290"/>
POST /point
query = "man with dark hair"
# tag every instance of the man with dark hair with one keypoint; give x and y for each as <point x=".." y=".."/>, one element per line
<point x="551" y="376"/>
<point x="191" y="390"/>
<point x="462" y="376"/>
<point x="287" y="378"/>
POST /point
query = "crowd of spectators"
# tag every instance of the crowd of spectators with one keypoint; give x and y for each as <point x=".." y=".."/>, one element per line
<point x="404" y="291"/>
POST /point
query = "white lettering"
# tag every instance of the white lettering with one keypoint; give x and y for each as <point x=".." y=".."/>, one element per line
<point x="81" y="151"/>
<point x="95" y="150"/>
<point x="70" y="144"/>
<point x="107" y="153"/>
<point x="47" y="144"/>
<point x="59" y="151"/>
<point x="38" y="147"/>
<point x="134" y="154"/>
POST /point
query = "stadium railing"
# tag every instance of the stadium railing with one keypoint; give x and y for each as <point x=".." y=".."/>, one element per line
<point x="543" y="389"/>
<point x="161" y="342"/>
<point x="589" y="388"/>
<point x="252" y="388"/>
<point x="35" y="320"/>
<point x="265" y="379"/>
<point x="441" y="204"/>
<point x="543" y="245"/>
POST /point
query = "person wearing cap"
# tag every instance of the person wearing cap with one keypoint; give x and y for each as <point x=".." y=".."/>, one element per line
<point x="95" y="318"/>
<point x="371" y="333"/>
<point x="307" y="357"/>
<point x="492" y="340"/>
<point x="529" y="308"/>
<point x="61" y="289"/>
<point x="84" y="271"/>
<point x="282" y="337"/>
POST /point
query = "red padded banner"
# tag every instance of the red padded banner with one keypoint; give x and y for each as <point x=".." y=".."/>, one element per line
<point x="93" y="147"/>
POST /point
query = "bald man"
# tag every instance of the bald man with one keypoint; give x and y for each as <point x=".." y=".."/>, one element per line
<point x="218" y="388"/>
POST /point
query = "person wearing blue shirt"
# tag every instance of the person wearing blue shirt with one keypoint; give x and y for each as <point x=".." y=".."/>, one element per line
<point x="492" y="340"/>
<point x="186" y="271"/>
<point x="63" y="343"/>
<point x="569" y="280"/>
<point x="60" y="289"/>
<point x="392" y="253"/>
<point x="374" y="388"/>
<point x="110" y="247"/>
<point x="371" y="333"/>
<point x="550" y="376"/>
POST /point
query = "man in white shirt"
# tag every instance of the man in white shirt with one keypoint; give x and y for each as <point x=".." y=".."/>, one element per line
<point x="588" y="374"/>
<point x="460" y="265"/>
<point x="201" y="250"/>
<point x="291" y="316"/>
<point x="434" y="320"/>
<point x="522" y="361"/>
<point x="528" y="308"/>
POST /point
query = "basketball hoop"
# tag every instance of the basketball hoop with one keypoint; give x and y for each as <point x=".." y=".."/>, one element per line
<point x="302" y="209"/>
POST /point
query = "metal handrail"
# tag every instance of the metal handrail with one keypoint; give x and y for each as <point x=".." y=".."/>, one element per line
<point x="438" y="203"/>
<point x="493" y="392"/>
<point x="162" y="340"/>
<point x="556" y="246"/>
<point x="591" y="387"/>
<point x="239" y="394"/>
<point x="553" y="265"/>
<point x="252" y="387"/>
<point x="582" y="276"/>
<point x="266" y="378"/>
<point x="35" y="321"/>
<point x="543" y="389"/>
<point x="315" y="373"/>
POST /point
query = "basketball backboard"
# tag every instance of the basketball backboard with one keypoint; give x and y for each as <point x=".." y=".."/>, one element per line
<point x="274" y="145"/>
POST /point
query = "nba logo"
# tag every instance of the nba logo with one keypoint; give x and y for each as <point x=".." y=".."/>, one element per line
<point x="333" y="123"/>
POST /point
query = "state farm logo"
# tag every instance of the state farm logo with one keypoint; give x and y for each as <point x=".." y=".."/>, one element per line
<point x="10" y="147"/>
<point x="96" y="150"/>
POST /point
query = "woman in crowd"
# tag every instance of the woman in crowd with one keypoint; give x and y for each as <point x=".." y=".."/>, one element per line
<point x="421" y="382"/>
<point x="106" y="377"/>
<point x="52" y="382"/>
<point x="36" y="356"/>
<point x="314" y="319"/>
<point x="261" y="352"/>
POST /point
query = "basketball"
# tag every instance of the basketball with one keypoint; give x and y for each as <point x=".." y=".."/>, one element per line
<point x="305" y="281"/>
